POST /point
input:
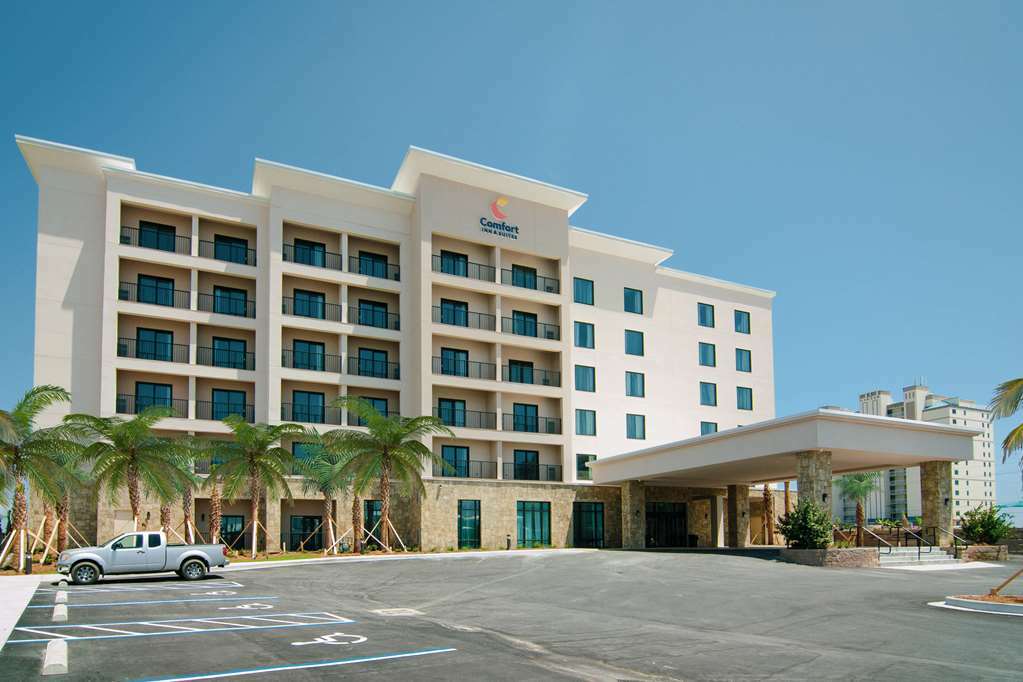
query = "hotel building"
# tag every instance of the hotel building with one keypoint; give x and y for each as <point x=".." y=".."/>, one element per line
<point x="460" y="291"/>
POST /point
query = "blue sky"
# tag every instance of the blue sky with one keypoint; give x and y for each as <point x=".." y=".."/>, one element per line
<point x="863" y="160"/>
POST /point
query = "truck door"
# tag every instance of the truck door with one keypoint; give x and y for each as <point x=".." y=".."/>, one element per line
<point x="156" y="557"/>
<point x="129" y="554"/>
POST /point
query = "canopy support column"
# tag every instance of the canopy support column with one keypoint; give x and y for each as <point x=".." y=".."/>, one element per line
<point x="813" y="473"/>
<point x="633" y="515"/>
<point x="936" y="499"/>
<point x="738" y="515"/>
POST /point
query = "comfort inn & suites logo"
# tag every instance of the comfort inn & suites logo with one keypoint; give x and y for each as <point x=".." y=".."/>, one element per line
<point x="501" y="229"/>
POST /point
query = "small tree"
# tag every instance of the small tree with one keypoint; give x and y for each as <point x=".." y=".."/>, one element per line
<point x="986" y="525"/>
<point x="858" y="487"/>
<point x="808" y="526"/>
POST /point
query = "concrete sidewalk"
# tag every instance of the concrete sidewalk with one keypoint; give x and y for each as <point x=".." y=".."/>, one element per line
<point x="15" y="593"/>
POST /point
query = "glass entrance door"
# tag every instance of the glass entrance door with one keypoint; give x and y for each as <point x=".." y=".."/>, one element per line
<point x="302" y="529"/>
<point x="666" y="524"/>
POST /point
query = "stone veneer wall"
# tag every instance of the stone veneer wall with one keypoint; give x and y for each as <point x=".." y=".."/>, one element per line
<point x="861" y="557"/>
<point x="814" y="475"/>
<point x="83" y="515"/>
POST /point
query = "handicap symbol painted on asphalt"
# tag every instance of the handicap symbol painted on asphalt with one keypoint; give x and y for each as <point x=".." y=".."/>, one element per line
<point x="247" y="607"/>
<point x="333" y="638"/>
<point x="216" y="593"/>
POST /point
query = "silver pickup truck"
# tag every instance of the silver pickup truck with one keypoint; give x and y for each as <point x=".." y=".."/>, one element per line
<point x="140" y="552"/>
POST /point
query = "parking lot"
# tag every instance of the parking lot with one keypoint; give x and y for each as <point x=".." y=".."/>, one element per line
<point x="538" y="615"/>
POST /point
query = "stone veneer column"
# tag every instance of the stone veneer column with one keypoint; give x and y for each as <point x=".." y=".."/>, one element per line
<point x="936" y="499"/>
<point x="717" y="521"/>
<point x="813" y="471"/>
<point x="633" y="515"/>
<point x="738" y="515"/>
<point x="270" y="517"/>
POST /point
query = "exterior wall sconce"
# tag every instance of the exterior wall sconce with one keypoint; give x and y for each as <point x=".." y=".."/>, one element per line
<point x="946" y="501"/>
<point x="824" y="497"/>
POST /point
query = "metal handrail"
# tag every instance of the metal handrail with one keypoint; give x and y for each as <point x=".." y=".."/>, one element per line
<point x="919" y="548"/>
<point x="879" y="540"/>
<point x="956" y="540"/>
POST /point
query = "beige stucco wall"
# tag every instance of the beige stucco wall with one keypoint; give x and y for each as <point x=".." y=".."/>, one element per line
<point x="132" y="214"/>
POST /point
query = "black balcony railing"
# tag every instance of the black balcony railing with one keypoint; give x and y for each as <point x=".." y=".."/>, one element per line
<point x="517" y="278"/>
<point x="220" y="357"/>
<point x="370" y="317"/>
<point x="152" y="350"/>
<point x="315" y="309"/>
<point x="464" y="318"/>
<point x="468" y="469"/>
<point x="310" y="415"/>
<point x="306" y="255"/>
<point x="372" y="267"/>
<point x="532" y="472"/>
<point x="128" y="404"/>
<point x="464" y="368"/>
<point x="531" y="375"/>
<point x="202" y="466"/>
<point x="468" y="269"/>
<point x="527" y="327"/>
<point x="227" y="305"/>
<point x="157" y="295"/>
<point x="469" y="419"/>
<point x="205" y="409"/>
<point x="379" y="369"/>
<point x="155" y="239"/>
<point x="531" y="424"/>
<point x="232" y="253"/>
<point x="317" y="362"/>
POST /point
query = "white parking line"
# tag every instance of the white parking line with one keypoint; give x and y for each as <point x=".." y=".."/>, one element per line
<point x="97" y="627"/>
<point x="153" y="601"/>
<point x="156" y="587"/>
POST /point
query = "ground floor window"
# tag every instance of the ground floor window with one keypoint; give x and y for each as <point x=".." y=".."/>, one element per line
<point x="306" y="533"/>
<point x="468" y="524"/>
<point x="371" y="510"/>
<point x="534" y="522"/>
<point x="588" y="524"/>
<point x="230" y="528"/>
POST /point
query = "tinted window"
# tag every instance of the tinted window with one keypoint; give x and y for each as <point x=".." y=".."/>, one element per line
<point x="585" y="378"/>
<point x="154" y="539"/>
<point x="705" y="314"/>
<point x="633" y="342"/>
<point x="633" y="301"/>
<point x="583" y="335"/>
<point x="582" y="291"/>
<point x="742" y="321"/>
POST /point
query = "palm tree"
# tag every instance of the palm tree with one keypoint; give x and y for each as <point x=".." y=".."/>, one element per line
<point x="125" y="453"/>
<point x="390" y="447"/>
<point x="325" y="475"/>
<point x="768" y="515"/>
<point x="254" y="462"/>
<point x="39" y="456"/>
<point x="858" y="487"/>
<point x="1007" y="401"/>
<point x="203" y="450"/>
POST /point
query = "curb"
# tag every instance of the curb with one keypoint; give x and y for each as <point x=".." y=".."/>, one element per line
<point x="55" y="658"/>
<point x="985" y="606"/>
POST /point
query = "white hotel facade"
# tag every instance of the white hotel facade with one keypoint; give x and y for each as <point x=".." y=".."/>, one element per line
<point x="460" y="290"/>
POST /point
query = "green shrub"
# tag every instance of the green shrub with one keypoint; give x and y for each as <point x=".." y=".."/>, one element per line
<point x="986" y="525"/>
<point x="808" y="526"/>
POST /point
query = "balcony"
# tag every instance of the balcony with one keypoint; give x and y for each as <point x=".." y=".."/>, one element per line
<point x="227" y="305"/>
<point x="161" y="240"/>
<point x="530" y="375"/>
<point x="464" y="368"/>
<point x="227" y="252"/>
<point x="155" y="294"/>
<point x="356" y="421"/>
<point x="372" y="267"/>
<point x="310" y="415"/>
<point x="316" y="362"/>
<point x="221" y="357"/>
<point x="463" y="268"/>
<point x="468" y="419"/>
<point x="532" y="472"/>
<point x="205" y="409"/>
<point x="127" y="404"/>
<point x="531" y="423"/>
<point x="315" y="309"/>
<point x="529" y="327"/>
<point x="467" y="469"/>
<point x="152" y="350"/>
<point x="464" y="318"/>
<point x="373" y="317"/>
<point x="310" y="255"/>
<point x="528" y="279"/>
<point x="379" y="369"/>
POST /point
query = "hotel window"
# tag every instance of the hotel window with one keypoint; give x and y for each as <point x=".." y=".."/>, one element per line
<point x="378" y="404"/>
<point x="582" y="291"/>
<point x="708" y="427"/>
<point x="633" y="342"/>
<point x="157" y="236"/>
<point x="454" y="362"/>
<point x="307" y="407"/>
<point x="743" y="360"/>
<point x="633" y="301"/>
<point x="230" y="301"/>
<point x="534" y="523"/>
<point x="310" y="304"/>
<point x="708" y="355"/>
<point x="373" y="313"/>
<point x="454" y="312"/>
<point x="742" y="321"/>
<point x="635" y="426"/>
<point x="307" y="355"/>
<point x="744" y="398"/>
<point x="149" y="394"/>
<point x="372" y="264"/>
<point x="310" y="253"/>
<point x="227" y="402"/>
<point x="708" y="394"/>
<point x="585" y="378"/>
<point x="585" y="423"/>
<point x="588" y="524"/>
<point x="583" y="335"/>
<point x="456" y="459"/>
<point x="523" y="276"/>
<point x="301" y="452"/>
<point x="452" y="263"/>
<point x="520" y="371"/>
<point x="468" y="524"/>
<point x="230" y="249"/>
<point x="582" y="472"/>
<point x="153" y="344"/>
<point x="705" y="314"/>
<point x="635" y="384"/>
<point x="451" y="412"/>
<point x="230" y="353"/>
<point x="158" y="290"/>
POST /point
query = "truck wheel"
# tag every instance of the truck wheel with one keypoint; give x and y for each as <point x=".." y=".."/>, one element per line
<point x="193" y="569"/>
<point x="85" y="573"/>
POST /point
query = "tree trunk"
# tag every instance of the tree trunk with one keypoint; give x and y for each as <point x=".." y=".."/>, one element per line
<point x="356" y="525"/>
<point x="768" y="515"/>
<point x="63" y="512"/>
<point x="787" y="501"/>
<point x="328" y="523"/>
<point x="859" y="523"/>
<point x="18" y="523"/>
<point x="254" y="510"/>
<point x="385" y="504"/>
<point x="47" y="524"/>
<point x="215" y="513"/>
<point x="134" y="496"/>
<point x="186" y="511"/>
<point x="165" y="520"/>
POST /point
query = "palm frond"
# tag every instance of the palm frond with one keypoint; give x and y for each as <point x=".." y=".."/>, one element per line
<point x="1007" y="399"/>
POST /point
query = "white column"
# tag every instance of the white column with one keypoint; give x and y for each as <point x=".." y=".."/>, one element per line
<point x="195" y="235"/>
